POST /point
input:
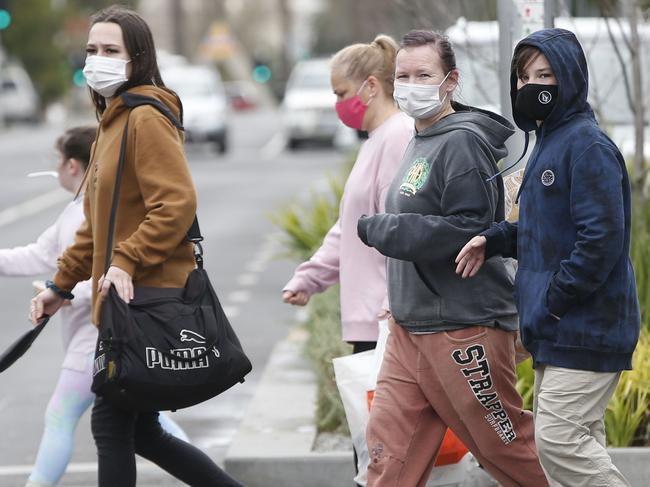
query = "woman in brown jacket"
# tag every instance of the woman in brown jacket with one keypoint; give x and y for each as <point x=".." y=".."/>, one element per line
<point x="156" y="208"/>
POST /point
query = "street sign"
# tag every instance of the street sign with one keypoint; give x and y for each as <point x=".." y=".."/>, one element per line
<point x="219" y="44"/>
<point x="534" y="15"/>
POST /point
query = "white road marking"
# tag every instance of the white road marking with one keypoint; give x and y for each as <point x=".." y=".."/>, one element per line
<point x="272" y="242"/>
<point x="273" y="147"/>
<point x="88" y="467"/>
<point x="246" y="280"/>
<point x="33" y="206"/>
<point x="267" y="252"/>
<point x="231" y="311"/>
<point x="241" y="296"/>
<point x="256" y="266"/>
<point x="218" y="439"/>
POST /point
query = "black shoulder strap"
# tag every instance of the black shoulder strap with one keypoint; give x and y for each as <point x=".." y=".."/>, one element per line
<point x="132" y="100"/>
<point x="500" y="213"/>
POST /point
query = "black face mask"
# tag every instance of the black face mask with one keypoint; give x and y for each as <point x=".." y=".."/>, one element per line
<point x="536" y="101"/>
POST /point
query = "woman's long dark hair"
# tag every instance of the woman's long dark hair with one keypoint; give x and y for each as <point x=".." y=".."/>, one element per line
<point x="139" y="46"/>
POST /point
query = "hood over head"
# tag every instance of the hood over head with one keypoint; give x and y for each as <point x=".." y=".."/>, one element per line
<point x="567" y="59"/>
<point x="493" y="129"/>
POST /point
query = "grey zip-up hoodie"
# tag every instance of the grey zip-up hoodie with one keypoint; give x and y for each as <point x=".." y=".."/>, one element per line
<point x="440" y="198"/>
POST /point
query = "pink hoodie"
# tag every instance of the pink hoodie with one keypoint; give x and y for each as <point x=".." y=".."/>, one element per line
<point x="343" y="257"/>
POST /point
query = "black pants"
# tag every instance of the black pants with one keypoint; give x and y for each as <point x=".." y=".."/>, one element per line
<point x="358" y="347"/>
<point x="119" y="435"/>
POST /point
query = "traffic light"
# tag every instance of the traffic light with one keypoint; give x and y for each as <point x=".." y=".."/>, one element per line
<point x="79" y="79"/>
<point x="5" y="19"/>
<point x="77" y="62"/>
<point x="261" y="71"/>
<point x="5" y="16"/>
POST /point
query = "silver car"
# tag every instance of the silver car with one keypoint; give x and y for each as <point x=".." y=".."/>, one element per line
<point x="18" y="99"/>
<point x="308" y="106"/>
<point x="205" y="107"/>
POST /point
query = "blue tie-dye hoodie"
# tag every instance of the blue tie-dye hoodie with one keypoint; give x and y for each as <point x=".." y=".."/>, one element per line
<point x="573" y="236"/>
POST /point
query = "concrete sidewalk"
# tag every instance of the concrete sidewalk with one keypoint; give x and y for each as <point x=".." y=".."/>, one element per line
<point x="275" y="439"/>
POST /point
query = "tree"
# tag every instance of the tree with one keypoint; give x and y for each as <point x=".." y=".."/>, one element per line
<point x="29" y="39"/>
<point x="631" y="69"/>
<point x="37" y="39"/>
<point x="344" y="22"/>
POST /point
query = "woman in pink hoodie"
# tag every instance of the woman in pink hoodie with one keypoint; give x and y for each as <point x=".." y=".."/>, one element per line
<point x="362" y="79"/>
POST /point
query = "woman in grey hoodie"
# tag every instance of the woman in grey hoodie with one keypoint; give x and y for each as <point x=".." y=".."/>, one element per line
<point x="450" y="357"/>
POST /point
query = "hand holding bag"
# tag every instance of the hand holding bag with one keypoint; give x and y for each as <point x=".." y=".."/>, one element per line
<point x="172" y="348"/>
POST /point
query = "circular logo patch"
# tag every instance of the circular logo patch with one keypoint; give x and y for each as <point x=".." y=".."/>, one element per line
<point x="415" y="177"/>
<point x="548" y="177"/>
<point x="545" y="97"/>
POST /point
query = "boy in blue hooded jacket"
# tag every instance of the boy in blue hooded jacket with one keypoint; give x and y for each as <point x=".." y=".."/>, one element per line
<point x="575" y="288"/>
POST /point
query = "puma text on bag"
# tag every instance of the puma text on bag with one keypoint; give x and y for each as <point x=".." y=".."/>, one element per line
<point x="169" y="348"/>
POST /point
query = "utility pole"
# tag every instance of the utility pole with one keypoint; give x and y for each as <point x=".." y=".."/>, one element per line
<point x="517" y="19"/>
<point x="5" y="22"/>
<point x="509" y="33"/>
<point x="178" y="26"/>
<point x="632" y="11"/>
<point x="550" y="9"/>
<point x="2" y="81"/>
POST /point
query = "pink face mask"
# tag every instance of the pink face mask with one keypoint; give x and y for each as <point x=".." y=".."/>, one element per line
<point x="352" y="110"/>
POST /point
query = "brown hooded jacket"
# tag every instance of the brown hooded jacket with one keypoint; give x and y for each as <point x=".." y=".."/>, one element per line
<point x="156" y="207"/>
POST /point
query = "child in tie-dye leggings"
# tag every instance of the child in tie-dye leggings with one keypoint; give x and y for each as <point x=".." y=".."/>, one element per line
<point x="71" y="398"/>
<point x="72" y="395"/>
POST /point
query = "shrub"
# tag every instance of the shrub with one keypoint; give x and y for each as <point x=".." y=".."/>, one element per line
<point x="640" y="254"/>
<point x="324" y="344"/>
<point x="304" y="227"/>
<point x="627" y="416"/>
<point x="525" y="382"/>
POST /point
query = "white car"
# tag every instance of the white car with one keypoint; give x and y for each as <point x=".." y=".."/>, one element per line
<point x="205" y="107"/>
<point x="308" y="112"/>
<point x="18" y="99"/>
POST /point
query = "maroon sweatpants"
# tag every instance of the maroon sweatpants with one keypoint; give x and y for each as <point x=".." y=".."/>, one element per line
<point x="463" y="379"/>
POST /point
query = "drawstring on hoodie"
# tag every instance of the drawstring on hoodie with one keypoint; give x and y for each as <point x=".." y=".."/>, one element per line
<point x="526" y="141"/>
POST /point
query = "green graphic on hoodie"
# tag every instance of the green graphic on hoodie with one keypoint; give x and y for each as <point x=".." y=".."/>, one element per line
<point x="415" y="177"/>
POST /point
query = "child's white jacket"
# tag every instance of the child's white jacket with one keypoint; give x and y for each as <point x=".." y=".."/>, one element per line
<point x="78" y="333"/>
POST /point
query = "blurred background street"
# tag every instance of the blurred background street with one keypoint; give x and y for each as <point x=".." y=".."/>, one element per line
<point x="262" y="134"/>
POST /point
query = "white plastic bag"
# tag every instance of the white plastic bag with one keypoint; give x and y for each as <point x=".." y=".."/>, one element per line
<point x="356" y="379"/>
<point x="352" y="372"/>
<point x="378" y="355"/>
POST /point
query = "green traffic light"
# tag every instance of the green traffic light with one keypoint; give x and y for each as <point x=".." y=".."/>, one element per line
<point x="262" y="74"/>
<point x="78" y="78"/>
<point x="5" y="19"/>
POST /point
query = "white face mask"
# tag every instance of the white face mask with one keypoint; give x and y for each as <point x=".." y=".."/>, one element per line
<point x="417" y="100"/>
<point x="105" y="74"/>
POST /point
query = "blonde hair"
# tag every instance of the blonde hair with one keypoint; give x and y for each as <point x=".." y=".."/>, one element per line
<point x="358" y="61"/>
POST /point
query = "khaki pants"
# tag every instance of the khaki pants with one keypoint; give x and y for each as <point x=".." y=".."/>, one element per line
<point x="569" y="406"/>
<point x="464" y="379"/>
